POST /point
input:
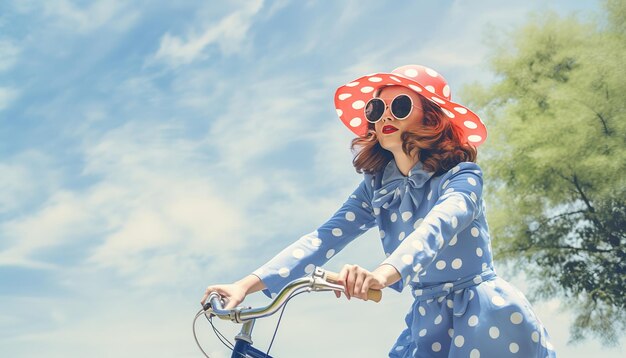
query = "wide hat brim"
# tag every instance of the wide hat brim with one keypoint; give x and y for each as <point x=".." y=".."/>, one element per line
<point x="350" y="100"/>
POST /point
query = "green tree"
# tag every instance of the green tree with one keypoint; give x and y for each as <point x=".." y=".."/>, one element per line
<point x="556" y="162"/>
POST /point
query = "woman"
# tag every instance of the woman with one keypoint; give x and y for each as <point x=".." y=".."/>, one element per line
<point x="423" y="190"/>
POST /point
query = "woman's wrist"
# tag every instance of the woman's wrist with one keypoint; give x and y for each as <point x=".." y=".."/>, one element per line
<point x="250" y="284"/>
<point x="388" y="274"/>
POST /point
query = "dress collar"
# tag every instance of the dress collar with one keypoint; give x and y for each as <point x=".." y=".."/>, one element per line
<point x="417" y="175"/>
<point x="398" y="188"/>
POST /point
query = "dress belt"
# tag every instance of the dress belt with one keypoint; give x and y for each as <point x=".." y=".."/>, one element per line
<point x="461" y="299"/>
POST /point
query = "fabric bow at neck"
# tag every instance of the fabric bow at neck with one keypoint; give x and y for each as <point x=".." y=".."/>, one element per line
<point x="399" y="188"/>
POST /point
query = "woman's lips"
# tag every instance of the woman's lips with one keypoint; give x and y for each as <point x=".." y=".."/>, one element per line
<point x="389" y="129"/>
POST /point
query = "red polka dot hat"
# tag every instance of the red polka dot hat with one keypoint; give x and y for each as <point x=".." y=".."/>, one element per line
<point x="350" y="99"/>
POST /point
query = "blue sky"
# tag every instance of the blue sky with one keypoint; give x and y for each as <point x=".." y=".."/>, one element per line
<point x="148" y="149"/>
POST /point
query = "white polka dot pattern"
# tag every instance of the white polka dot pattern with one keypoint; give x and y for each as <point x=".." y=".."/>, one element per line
<point x="355" y="122"/>
<point x="516" y="318"/>
<point x="535" y="336"/>
<point x="472" y="321"/>
<point x="441" y="265"/>
<point x="298" y="253"/>
<point x="436" y="240"/>
<point x="358" y="104"/>
<point x="284" y="272"/>
<point x="438" y="319"/>
<point x="498" y="300"/>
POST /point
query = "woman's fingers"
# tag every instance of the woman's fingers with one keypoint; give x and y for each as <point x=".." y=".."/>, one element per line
<point x="230" y="303"/>
<point x="223" y="293"/>
<point x="207" y="292"/>
<point x="351" y="280"/>
<point x="358" y="283"/>
<point x="343" y="279"/>
<point x="366" y="286"/>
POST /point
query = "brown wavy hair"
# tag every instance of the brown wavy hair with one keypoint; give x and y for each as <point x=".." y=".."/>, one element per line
<point x="436" y="141"/>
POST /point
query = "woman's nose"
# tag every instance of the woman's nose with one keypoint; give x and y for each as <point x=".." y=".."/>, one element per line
<point x="387" y="116"/>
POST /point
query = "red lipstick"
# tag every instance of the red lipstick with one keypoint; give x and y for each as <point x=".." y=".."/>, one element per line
<point x="389" y="129"/>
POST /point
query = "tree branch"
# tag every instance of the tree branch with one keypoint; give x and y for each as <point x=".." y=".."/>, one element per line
<point x="605" y="127"/>
<point x="558" y="247"/>
<point x="565" y="214"/>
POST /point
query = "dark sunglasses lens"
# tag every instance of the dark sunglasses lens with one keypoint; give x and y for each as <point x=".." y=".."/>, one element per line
<point x="374" y="109"/>
<point x="401" y="106"/>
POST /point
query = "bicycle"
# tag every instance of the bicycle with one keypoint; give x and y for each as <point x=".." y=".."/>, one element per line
<point x="319" y="281"/>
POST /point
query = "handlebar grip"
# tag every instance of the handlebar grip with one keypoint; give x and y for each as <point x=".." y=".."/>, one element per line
<point x="372" y="294"/>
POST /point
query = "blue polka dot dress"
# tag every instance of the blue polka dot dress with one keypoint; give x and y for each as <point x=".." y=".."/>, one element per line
<point x="434" y="232"/>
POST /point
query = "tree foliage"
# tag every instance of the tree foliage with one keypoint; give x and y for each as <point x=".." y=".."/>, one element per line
<point x="556" y="160"/>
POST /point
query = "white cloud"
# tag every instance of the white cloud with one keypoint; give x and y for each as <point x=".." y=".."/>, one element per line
<point x="167" y="209"/>
<point x="60" y="220"/>
<point x="68" y="15"/>
<point x="150" y="208"/>
<point x="97" y="14"/>
<point x="7" y="97"/>
<point x="9" y="53"/>
<point x="333" y="156"/>
<point x="229" y="34"/>
<point x="262" y="117"/>
<point x="21" y="180"/>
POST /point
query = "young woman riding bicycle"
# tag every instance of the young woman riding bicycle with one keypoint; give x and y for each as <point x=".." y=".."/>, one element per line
<point x="422" y="189"/>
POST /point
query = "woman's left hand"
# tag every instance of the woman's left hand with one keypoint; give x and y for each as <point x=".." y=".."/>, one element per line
<point x="357" y="281"/>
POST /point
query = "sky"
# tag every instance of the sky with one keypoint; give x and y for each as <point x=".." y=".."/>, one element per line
<point x="151" y="148"/>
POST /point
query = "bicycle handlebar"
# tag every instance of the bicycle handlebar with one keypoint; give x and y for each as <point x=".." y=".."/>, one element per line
<point x="320" y="280"/>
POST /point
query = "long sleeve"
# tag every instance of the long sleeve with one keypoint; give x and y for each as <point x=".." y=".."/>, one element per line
<point x="458" y="204"/>
<point x="314" y="249"/>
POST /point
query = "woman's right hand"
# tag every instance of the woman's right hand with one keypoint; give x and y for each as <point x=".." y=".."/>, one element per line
<point x="233" y="294"/>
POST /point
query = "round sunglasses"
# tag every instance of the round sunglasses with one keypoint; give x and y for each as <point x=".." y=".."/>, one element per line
<point x="401" y="108"/>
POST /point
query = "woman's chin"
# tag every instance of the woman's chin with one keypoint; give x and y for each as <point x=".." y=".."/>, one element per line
<point x="391" y="146"/>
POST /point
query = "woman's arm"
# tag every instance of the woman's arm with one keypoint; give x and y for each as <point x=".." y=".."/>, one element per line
<point x="251" y="284"/>
<point x="459" y="203"/>
<point x="353" y="219"/>
<point x="349" y="222"/>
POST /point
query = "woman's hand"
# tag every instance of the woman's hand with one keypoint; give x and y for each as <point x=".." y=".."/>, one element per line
<point x="357" y="281"/>
<point x="233" y="294"/>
